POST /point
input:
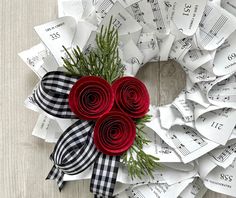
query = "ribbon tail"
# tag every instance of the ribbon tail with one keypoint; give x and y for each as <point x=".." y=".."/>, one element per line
<point x="56" y="174"/>
<point x="104" y="176"/>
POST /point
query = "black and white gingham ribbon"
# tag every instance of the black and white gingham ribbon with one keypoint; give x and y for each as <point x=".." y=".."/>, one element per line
<point x="52" y="94"/>
<point x="105" y="170"/>
<point x="75" y="150"/>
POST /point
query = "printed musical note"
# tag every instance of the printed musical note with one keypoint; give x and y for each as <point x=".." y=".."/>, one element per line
<point x="102" y="7"/>
<point x="189" y="142"/>
<point x="157" y="17"/>
<point x="193" y="55"/>
<point x="138" y="14"/>
<point x="195" y="58"/>
<point x="201" y="75"/>
<point x="223" y="91"/>
<point x="165" y="148"/>
<point x="90" y="44"/>
<point x="151" y="13"/>
<point x="213" y="31"/>
<point x="148" y="44"/>
<point x="180" y="48"/>
<point x="157" y="190"/>
<point x="35" y="59"/>
<point x="215" y="27"/>
<point x="184" y="106"/>
<point x="225" y="154"/>
<point x="206" y="12"/>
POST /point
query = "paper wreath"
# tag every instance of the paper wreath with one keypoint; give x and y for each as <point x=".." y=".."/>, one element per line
<point x="195" y="134"/>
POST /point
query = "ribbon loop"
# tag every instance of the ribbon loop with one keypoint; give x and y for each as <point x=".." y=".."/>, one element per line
<point x="52" y="94"/>
<point x="75" y="150"/>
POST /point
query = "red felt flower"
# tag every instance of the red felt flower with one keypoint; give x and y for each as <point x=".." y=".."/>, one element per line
<point x="114" y="133"/>
<point x="91" y="97"/>
<point x="131" y="96"/>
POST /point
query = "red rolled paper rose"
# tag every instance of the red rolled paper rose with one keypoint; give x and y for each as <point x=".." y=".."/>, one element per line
<point x="131" y="96"/>
<point x="114" y="133"/>
<point x="91" y="97"/>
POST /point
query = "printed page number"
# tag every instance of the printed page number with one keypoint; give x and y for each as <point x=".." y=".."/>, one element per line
<point x="55" y="36"/>
<point x="187" y="9"/>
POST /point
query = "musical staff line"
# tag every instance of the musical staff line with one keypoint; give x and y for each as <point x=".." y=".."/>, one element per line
<point x="158" y="19"/>
<point x="206" y="12"/>
<point x="138" y="14"/>
<point x="214" y="30"/>
<point x="188" y="143"/>
<point x="229" y="150"/>
<point x="103" y="7"/>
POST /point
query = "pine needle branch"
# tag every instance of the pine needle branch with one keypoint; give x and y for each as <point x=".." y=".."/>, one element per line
<point x="103" y="61"/>
<point x="135" y="159"/>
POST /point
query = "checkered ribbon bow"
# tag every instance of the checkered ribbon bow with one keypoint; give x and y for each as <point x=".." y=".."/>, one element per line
<point x="75" y="150"/>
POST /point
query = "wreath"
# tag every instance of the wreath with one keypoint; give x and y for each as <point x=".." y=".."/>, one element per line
<point x="87" y="78"/>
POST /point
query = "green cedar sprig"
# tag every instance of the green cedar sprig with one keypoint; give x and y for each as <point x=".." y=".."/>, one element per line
<point x="135" y="159"/>
<point x="103" y="61"/>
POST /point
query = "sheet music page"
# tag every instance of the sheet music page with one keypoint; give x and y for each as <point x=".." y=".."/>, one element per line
<point x="184" y="106"/>
<point x="35" y="59"/>
<point x="205" y="166"/>
<point x="216" y="125"/>
<point x="189" y="11"/>
<point x="209" y="65"/>
<point x="173" y="176"/>
<point x="148" y="45"/>
<point x="64" y="123"/>
<point x="152" y="15"/>
<point x="216" y="25"/>
<point x="160" y="190"/>
<point x="126" y="25"/>
<point x="124" y="194"/>
<point x="84" y="30"/>
<point x="194" y="94"/>
<point x="189" y="167"/>
<point x="195" y="58"/>
<point x="155" y="125"/>
<point x="58" y="33"/>
<point x="179" y="49"/>
<point x="195" y="189"/>
<point x="47" y="129"/>
<point x="30" y="103"/>
<point x="132" y="58"/>
<point x="224" y="156"/>
<point x="98" y="10"/>
<point x="229" y="5"/>
<point x="157" y="147"/>
<point x="188" y="143"/>
<point x="222" y="180"/>
<point x="222" y="91"/>
<point x="225" y="59"/>
<point x="163" y="175"/>
<point x="72" y="8"/>
<point x="201" y="75"/>
<point x="185" y="140"/>
<point x="169" y="112"/>
<point x="165" y="45"/>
